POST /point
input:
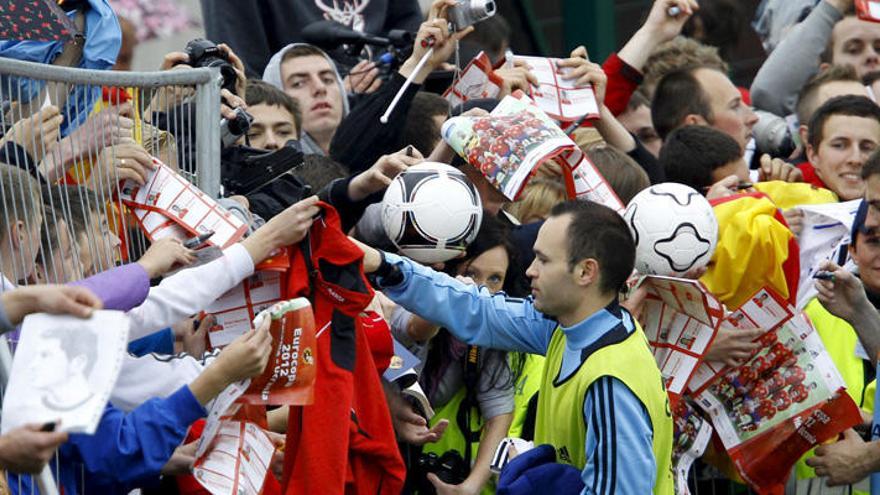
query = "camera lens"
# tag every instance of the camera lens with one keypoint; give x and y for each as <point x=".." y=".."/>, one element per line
<point x="239" y="125"/>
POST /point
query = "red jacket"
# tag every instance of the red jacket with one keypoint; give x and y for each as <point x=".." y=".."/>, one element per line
<point x="344" y="443"/>
<point x="810" y="176"/>
<point x="623" y="80"/>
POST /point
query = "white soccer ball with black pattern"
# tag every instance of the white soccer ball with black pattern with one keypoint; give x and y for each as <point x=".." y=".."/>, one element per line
<point x="674" y="228"/>
<point x="431" y="212"/>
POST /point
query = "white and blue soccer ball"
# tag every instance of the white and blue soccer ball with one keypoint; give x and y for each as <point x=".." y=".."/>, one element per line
<point x="674" y="228"/>
<point x="431" y="212"/>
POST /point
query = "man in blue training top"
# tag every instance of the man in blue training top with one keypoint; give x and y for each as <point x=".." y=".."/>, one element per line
<point x="602" y="405"/>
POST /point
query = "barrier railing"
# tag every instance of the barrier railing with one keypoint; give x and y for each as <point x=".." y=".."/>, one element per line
<point x="60" y="220"/>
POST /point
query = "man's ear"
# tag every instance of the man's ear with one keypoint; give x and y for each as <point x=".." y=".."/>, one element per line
<point x="812" y="154"/>
<point x="804" y="133"/>
<point x="17" y="234"/>
<point x="586" y="272"/>
<point x="695" y="119"/>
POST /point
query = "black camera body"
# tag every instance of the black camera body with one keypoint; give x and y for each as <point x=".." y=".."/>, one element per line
<point x="204" y="53"/>
<point x="245" y="170"/>
<point x="450" y="467"/>
<point x="232" y="129"/>
<point x="267" y="178"/>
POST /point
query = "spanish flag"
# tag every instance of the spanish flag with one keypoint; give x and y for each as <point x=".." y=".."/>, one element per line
<point x="755" y="249"/>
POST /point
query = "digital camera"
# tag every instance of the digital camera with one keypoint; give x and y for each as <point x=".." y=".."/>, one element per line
<point x="469" y="12"/>
<point x="232" y="129"/>
<point x="204" y="53"/>
<point x="450" y="467"/>
<point x="245" y="170"/>
<point x="773" y="136"/>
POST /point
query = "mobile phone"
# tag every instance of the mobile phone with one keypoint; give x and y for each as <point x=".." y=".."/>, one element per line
<point x="198" y="240"/>
<point x="868" y="10"/>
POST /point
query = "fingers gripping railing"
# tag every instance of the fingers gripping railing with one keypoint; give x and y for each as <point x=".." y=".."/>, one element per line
<point x="68" y="138"/>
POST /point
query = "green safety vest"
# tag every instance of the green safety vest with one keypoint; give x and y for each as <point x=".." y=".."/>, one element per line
<point x="560" y="419"/>
<point x="453" y="437"/>
<point x="527" y="385"/>
<point x="840" y="341"/>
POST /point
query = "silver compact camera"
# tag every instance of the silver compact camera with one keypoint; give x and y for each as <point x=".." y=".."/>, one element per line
<point x="469" y="12"/>
<point x="773" y="136"/>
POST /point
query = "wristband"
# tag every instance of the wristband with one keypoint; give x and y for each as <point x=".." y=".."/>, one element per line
<point x="387" y="275"/>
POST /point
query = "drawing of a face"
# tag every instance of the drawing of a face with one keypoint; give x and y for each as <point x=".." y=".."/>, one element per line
<point x="61" y="367"/>
<point x="65" y="356"/>
<point x="49" y="368"/>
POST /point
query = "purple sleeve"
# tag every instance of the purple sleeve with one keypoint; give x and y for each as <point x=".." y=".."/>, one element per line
<point x="121" y="288"/>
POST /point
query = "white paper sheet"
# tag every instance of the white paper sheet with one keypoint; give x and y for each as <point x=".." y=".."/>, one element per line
<point x="238" y="460"/>
<point x="64" y="370"/>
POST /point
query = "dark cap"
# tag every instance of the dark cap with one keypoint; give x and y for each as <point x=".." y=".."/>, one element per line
<point x="859" y="222"/>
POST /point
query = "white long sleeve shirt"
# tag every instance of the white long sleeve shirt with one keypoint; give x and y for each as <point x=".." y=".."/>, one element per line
<point x="189" y="291"/>
<point x="175" y="298"/>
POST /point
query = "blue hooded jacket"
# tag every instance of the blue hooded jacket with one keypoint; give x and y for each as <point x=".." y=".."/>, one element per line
<point x="103" y="38"/>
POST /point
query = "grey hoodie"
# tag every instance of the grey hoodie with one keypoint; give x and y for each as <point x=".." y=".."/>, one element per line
<point x="272" y="75"/>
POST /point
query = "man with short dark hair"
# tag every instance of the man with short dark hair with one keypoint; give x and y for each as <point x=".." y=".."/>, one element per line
<point x="830" y="34"/>
<point x="424" y="121"/>
<point x="699" y="156"/>
<point x="701" y="96"/>
<point x="843" y="133"/>
<point x="277" y="117"/>
<point x="598" y="364"/>
<point x="309" y="76"/>
<point x="836" y="80"/>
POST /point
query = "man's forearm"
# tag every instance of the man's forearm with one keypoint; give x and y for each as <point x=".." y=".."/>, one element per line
<point x="873" y="457"/>
<point x="208" y="385"/>
<point x="793" y="61"/>
<point x="866" y="323"/>
<point x="475" y="318"/>
<point x="260" y="244"/>
<point x="202" y="285"/>
<point x="613" y="132"/>
<point x="637" y="50"/>
<point x="494" y="431"/>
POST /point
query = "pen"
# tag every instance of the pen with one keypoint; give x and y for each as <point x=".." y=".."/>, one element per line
<point x="824" y="276"/>
<point x="740" y="186"/>
<point x="198" y="240"/>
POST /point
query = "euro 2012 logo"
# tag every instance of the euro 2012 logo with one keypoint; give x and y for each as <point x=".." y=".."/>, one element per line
<point x="308" y="358"/>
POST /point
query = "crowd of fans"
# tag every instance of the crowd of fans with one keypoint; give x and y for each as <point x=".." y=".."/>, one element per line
<point x="528" y="334"/>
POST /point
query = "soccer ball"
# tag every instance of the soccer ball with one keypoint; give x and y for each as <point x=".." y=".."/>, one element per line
<point x="674" y="229"/>
<point x="431" y="212"/>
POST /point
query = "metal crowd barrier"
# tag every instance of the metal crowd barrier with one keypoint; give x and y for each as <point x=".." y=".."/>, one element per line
<point x="70" y="223"/>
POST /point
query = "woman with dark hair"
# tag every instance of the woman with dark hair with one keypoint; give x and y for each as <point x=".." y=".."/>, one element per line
<point x="470" y="387"/>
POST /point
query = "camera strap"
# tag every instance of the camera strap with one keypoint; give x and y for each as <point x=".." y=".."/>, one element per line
<point x="463" y="417"/>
